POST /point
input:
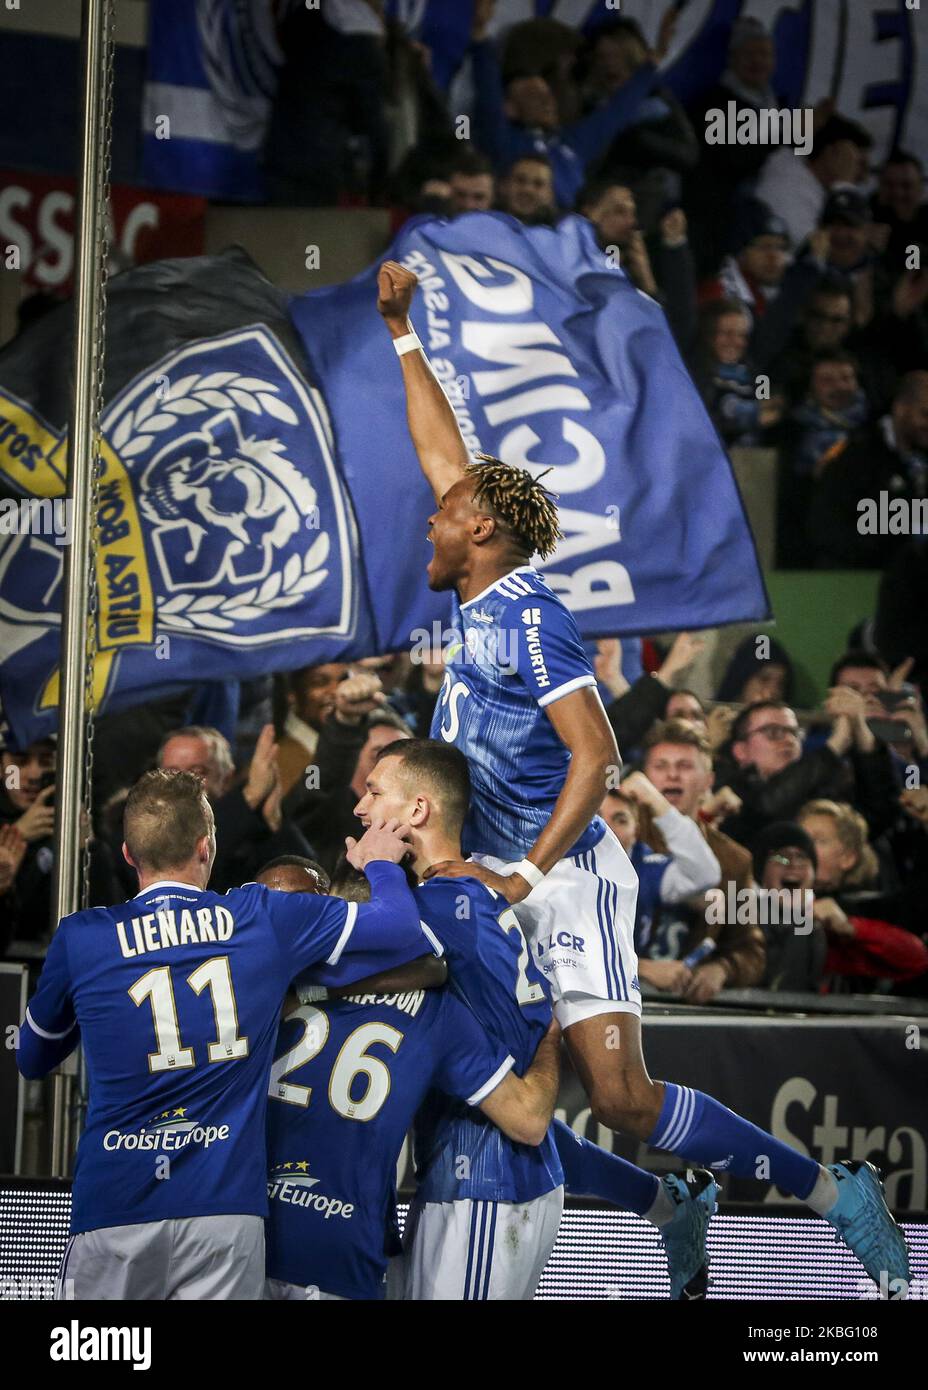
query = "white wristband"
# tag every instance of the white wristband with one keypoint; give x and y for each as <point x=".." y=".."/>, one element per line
<point x="311" y="994"/>
<point x="408" y="343"/>
<point x="529" y="871"/>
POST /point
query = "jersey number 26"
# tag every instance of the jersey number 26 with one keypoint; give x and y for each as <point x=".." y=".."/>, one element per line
<point x="353" y="1060"/>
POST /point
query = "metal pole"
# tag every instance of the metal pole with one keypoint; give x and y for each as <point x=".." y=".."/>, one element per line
<point x="87" y="349"/>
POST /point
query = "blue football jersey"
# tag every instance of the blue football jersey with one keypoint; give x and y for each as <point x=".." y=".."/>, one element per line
<point x="458" y="1152"/>
<point x="177" y="996"/>
<point x="661" y="929"/>
<point x="516" y="650"/>
<point x="348" y="1079"/>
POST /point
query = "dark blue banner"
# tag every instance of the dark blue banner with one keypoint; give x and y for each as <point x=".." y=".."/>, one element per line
<point x="225" y="541"/>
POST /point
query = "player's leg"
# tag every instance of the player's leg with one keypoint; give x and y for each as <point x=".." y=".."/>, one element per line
<point x="591" y="1171"/>
<point x="680" y="1205"/>
<point x="217" y="1257"/>
<point x="568" y="921"/>
<point x="611" y="1069"/>
<point x="607" y="1054"/>
<point x="117" y="1263"/>
<point x="580" y="922"/>
<point x="696" y="1126"/>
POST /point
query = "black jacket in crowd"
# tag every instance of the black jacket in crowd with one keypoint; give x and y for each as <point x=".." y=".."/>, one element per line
<point x="866" y="780"/>
<point x="325" y="814"/>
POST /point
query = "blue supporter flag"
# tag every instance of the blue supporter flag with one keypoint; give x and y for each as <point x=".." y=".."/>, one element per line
<point x="261" y="507"/>
<point x="212" y="75"/>
<point x="552" y="360"/>
<point x="226" y="545"/>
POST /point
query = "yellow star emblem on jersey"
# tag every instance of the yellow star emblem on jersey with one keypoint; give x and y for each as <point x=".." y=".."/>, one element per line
<point x="303" y="1167"/>
<point x="181" y="1111"/>
<point x="288" y="1165"/>
<point x="165" y="1114"/>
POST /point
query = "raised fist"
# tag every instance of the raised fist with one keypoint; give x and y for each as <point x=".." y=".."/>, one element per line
<point x="395" y="289"/>
<point x="357" y="696"/>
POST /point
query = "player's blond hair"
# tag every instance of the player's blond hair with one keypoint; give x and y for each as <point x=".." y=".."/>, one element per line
<point x="517" y="499"/>
<point x="166" y="813"/>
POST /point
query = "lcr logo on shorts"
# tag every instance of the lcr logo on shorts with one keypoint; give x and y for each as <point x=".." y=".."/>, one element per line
<point x="562" y="940"/>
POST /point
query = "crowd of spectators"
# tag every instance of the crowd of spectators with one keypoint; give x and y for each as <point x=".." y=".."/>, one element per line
<point x="793" y="284"/>
<point x="776" y="847"/>
<point x="833" y="804"/>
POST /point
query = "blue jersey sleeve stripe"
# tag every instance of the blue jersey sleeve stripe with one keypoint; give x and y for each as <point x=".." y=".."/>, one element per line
<point x="347" y="929"/>
<point x="566" y="689"/>
<point x="44" y="1033"/>
<point x="490" y="1085"/>
<point x="432" y="939"/>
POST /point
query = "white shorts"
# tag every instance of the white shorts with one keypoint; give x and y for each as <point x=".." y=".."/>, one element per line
<point x="470" y="1251"/>
<point x="193" y="1257"/>
<point x="580" y="924"/>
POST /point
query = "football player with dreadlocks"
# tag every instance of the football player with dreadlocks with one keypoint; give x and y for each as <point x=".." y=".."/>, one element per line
<point x="519" y="699"/>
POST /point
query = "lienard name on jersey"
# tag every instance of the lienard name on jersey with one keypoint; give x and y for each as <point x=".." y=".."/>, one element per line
<point x="170" y="1131"/>
<point x="292" y="1184"/>
<point x="155" y="931"/>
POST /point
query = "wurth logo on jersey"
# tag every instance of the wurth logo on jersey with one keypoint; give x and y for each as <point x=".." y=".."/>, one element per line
<point x="532" y="619"/>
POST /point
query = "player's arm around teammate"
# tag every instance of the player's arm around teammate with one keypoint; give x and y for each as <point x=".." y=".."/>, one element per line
<point x="425" y="972"/>
<point x="386" y="930"/>
<point x="293" y="874"/>
<point x="522" y="1106"/>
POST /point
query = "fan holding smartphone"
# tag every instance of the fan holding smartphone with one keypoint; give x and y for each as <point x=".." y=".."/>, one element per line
<point x="894" y="707"/>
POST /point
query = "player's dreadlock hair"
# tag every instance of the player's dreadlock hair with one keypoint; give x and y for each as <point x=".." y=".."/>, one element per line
<point x="517" y="499"/>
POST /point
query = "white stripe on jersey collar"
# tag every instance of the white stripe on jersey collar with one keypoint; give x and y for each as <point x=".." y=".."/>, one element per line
<point x="166" y="883"/>
<point x="520" y="569"/>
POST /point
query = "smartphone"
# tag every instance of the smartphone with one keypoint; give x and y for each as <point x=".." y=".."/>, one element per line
<point x="889" y="730"/>
<point x="892" y="699"/>
<point x="47" y="780"/>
